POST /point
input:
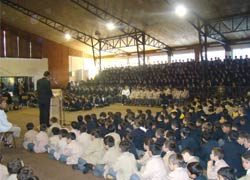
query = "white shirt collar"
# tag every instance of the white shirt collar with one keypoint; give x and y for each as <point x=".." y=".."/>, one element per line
<point x="248" y="172"/>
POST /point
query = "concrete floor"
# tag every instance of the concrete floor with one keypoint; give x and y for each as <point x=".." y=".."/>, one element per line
<point x="43" y="167"/>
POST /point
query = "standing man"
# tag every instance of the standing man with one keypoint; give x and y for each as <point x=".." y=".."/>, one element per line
<point x="44" y="94"/>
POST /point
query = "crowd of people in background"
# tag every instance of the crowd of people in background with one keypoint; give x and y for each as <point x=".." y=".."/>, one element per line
<point x="198" y="140"/>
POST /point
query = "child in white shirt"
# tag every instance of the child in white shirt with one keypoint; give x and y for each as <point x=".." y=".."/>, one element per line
<point x="92" y="154"/>
<point x="109" y="158"/>
<point x="72" y="152"/>
<point x="125" y="165"/>
<point x="84" y="138"/>
<point x="30" y="135"/>
<point x="176" y="164"/>
<point x="41" y="141"/>
<point x="53" y="123"/>
<point x="3" y="170"/>
<point x="215" y="163"/>
<point x="61" y="144"/>
<point x="53" y="141"/>
<point x="246" y="164"/>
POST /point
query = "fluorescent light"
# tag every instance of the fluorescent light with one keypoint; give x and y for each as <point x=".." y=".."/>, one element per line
<point x="181" y="10"/>
<point x="110" y="26"/>
<point x="67" y="36"/>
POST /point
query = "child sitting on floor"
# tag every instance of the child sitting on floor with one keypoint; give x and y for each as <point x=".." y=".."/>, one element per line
<point x="30" y="135"/>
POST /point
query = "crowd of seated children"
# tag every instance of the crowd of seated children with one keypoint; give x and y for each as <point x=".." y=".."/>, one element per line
<point x="40" y="142"/>
<point x="198" y="136"/>
<point x="15" y="170"/>
<point x="181" y="75"/>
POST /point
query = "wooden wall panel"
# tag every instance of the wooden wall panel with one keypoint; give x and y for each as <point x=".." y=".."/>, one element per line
<point x="11" y="44"/>
<point x="58" y="61"/>
<point x="24" y="47"/>
<point x="36" y="49"/>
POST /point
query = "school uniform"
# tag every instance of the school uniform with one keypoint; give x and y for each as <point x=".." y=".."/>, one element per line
<point x="41" y="141"/>
<point x="84" y="139"/>
<point x="29" y="137"/>
<point x="93" y="153"/>
<point x="212" y="170"/>
<point x="166" y="160"/>
<point x="53" y="141"/>
<point x="12" y="177"/>
<point x="247" y="176"/>
<point x="3" y="172"/>
<point x="206" y="149"/>
<point x="138" y="138"/>
<point x="154" y="169"/>
<point x="144" y="159"/>
<point x="73" y="152"/>
<point x="107" y="161"/>
<point x="125" y="166"/>
<point x="232" y="155"/>
<point x="189" y="143"/>
<point x="60" y="147"/>
<point x="179" y="173"/>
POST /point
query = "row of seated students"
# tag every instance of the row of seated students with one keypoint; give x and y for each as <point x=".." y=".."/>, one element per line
<point x="16" y="170"/>
<point x="211" y="136"/>
<point x="135" y="96"/>
<point x="180" y="75"/>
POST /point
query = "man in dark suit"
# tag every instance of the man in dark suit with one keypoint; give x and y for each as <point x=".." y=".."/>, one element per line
<point x="44" y="94"/>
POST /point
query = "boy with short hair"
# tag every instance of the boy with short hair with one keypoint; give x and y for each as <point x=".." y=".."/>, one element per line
<point x="125" y="165"/>
<point x="215" y="163"/>
<point x="41" y="141"/>
<point x="246" y="164"/>
<point x="30" y="135"/>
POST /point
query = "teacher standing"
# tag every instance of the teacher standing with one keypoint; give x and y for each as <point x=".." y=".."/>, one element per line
<point x="44" y="94"/>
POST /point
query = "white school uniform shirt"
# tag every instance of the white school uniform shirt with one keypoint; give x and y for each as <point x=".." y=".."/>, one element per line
<point x="53" y="141"/>
<point x="125" y="166"/>
<point x="94" y="152"/>
<point x="12" y="177"/>
<point x="166" y="160"/>
<point x="154" y="169"/>
<point x="29" y="137"/>
<point x="109" y="158"/>
<point x="212" y="171"/>
<point x="73" y="151"/>
<point x="3" y="172"/>
<point x="49" y="131"/>
<point x="144" y="159"/>
<point x="84" y="139"/>
<point x="60" y="147"/>
<point x="41" y="141"/>
<point x="178" y="174"/>
<point x="116" y="137"/>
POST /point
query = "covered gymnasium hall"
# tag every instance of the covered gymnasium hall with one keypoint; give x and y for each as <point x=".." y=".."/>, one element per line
<point x="126" y="90"/>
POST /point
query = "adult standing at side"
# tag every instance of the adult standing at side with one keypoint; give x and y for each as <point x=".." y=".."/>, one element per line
<point x="44" y="94"/>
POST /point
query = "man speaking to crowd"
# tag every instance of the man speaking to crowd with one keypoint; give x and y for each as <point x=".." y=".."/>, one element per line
<point x="44" y="94"/>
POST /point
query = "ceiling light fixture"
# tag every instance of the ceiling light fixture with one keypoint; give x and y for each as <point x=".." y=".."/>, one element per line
<point x="180" y="10"/>
<point x="110" y="26"/>
<point x="67" y="36"/>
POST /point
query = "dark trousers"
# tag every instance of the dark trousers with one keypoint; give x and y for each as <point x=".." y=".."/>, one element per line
<point x="44" y="109"/>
